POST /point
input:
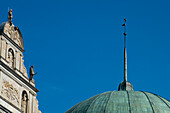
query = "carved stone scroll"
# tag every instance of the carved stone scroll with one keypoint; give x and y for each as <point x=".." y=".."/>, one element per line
<point x="9" y="91"/>
<point x="14" y="33"/>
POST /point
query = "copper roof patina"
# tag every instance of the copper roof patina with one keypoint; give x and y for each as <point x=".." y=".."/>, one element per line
<point x="123" y="102"/>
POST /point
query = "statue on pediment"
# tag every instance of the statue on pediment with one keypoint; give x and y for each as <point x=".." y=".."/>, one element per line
<point x="10" y="17"/>
<point x="32" y="73"/>
<point x="11" y="31"/>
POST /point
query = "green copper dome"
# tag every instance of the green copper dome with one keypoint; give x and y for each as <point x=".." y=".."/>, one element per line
<point x="123" y="102"/>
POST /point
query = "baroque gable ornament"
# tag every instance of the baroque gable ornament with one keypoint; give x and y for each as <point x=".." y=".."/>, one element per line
<point x="17" y="90"/>
<point x="13" y="33"/>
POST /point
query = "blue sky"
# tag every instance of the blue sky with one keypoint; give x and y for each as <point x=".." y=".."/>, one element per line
<point x="76" y="46"/>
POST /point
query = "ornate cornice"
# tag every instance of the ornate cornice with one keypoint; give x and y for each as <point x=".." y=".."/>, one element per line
<point x="3" y="108"/>
<point x="10" y="40"/>
<point x="18" y="76"/>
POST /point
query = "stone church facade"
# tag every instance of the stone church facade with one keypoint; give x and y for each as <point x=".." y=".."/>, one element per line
<point x="17" y="91"/>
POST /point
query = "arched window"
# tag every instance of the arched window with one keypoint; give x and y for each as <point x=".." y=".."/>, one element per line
<point x="11" y="57"/>
<point x="24" y="102"/>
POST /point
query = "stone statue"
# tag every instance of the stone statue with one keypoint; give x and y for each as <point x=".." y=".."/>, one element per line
<point x="10" y="58"/>
<point x="24" y="104"/>
<point x="32" y="73"/>
<point x="10" y="16"/>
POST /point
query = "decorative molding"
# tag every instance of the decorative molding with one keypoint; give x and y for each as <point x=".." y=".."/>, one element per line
<point x="21" y="73"/>
<point x="18" y="76"/>
<point x="4" y="109"/>
<point x="10" y="40"/>
<point x="14" y="68"/>
<point x="9" y="91"/>
<point x="3" y="59"/>
<point x="9" y="104"/>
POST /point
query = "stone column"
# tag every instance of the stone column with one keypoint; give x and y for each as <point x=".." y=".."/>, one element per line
<point x="1" y="80"/>
<point x="0" y="45"/>
<point x="6" y="54"/>
<point x="3" y="49"/>
<point x="32" y="105"/>
<point x="28" y="105"/>
<point x="20" y="65"/>
<point x="15" y="57"/>
<point x="17" y="60"/>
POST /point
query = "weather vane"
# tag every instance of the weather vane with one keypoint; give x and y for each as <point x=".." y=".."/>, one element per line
<point x="125" y="56"/>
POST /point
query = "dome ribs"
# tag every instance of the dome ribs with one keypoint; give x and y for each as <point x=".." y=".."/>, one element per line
<point x="83" y="105"/>
<point x="92" y="102"/>
<point x="139" y="102"/>
<point x="148" y="100"/>
<point x="72" y="108"/>
<point x="158" y="105"/>
<point x="118" y="102"/>
<point x="123" y="102"/>
<point x="128" y="101"/>
<point x="108" y="101"/>
<point x="95" y="107"/>
<point x="164" y="101"/>
<point x="161" y="99"/>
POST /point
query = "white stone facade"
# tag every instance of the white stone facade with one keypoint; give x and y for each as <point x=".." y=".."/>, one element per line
<point x="17" y="92"/>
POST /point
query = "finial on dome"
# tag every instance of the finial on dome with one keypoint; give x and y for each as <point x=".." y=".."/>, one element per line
<point x="10" y="17"/>
<point x="125" y="55"/>
<point x="125" y="85"/>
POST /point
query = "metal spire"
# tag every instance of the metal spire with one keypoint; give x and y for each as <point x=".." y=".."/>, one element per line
<point x="125" y="54"/>
<point x="125" y="85"/>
